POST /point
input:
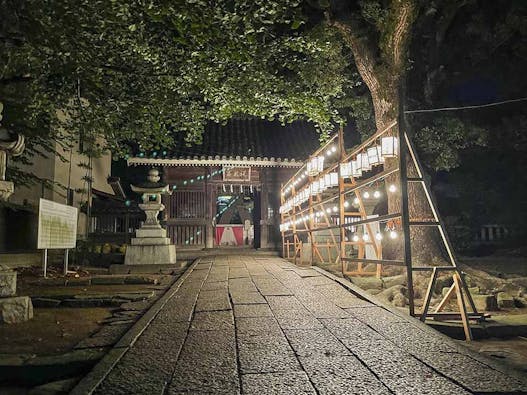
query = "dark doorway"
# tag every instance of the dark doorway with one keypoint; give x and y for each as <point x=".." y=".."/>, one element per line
<point x="257" y="216"/>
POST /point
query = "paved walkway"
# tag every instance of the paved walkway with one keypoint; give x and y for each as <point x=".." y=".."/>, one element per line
<point x="255" y="325"/>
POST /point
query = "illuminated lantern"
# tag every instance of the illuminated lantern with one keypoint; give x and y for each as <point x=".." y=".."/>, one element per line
<point x="315" y="165"/>
<point x="356" y="171"/>
<point x="315" y="188"/>
<point x="345" y="170"/>
<point x="379" y="153"/>
<point x="389" y="146"/>
<point x="333" y="179"/>
<point x="373" y="156"/>
<point x="322" y="185"/>
<point x="364" y="163"/>
<point x="327" y="180"/>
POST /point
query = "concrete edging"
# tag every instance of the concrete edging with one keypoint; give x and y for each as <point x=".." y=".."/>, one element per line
<point x="99" y="372"/>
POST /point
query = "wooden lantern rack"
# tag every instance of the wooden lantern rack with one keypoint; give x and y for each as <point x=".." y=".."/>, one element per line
<point x="304" y="223"/>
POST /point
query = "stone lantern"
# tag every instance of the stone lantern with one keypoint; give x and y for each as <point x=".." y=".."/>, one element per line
<point x="151" y="244"/>
<point x="13" y="309"/>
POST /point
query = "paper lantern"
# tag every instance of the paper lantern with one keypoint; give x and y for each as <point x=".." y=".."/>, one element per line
<point x="315" y="188"/>
<point x="389" y="146"/>
<point x="327" y="180"/>
<point x="322" y="185"/>
<point x="364" y="163"/>
<point x="356" y="171"/>
<point x="333" y="179"/>
<point x="373" y="156"/>
<point x="315" y="165"/>
<point x="345" y="170"/>
<point x="379" y="153"/>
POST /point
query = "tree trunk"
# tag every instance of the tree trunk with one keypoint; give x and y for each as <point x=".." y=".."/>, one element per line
<point x="383" y="81"/>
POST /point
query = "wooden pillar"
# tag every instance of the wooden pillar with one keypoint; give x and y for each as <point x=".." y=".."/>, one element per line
<point x="210" y="202"/>
<point x="264" y="210"/>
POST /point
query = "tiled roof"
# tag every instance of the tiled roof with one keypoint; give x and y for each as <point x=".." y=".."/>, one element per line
<point x="249" y="137"/>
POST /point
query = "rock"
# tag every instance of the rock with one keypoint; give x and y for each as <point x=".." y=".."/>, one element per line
<point x="485" y="302"/>
<point x="505" y="301"/>
<point x="140" y="280"/>
<point x="374" y="291"/>
<point x="55" y="387"/>
<point x="399" y="300"/>
<point x="78" y="281"/>
<point x="388" y="295"/>
<point x="45" y="302"/>
<point x="82" y="302"/>
<point x="443" y="282"/>
<point x="134" y="297"/>
<point x="394" y="280"/>
<point x="520" y="302"/>
<point x="108" y="280"/>
<point x="367" y="282"/>
<point x="473" y="290"/>
<point x="7" y="283"/>
<point x="16" y="309"/>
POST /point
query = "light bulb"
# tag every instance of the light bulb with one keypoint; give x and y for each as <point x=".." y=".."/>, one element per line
<point x="328" y="152"/>
<point x="376" y="194"/>
<point x="335" y="209"/>
<point x="378" y="236"/>
<point x="366" y="195"/>
<point x="365" y="237"/>
<point x="333" y="149"/>
<point x="356" y="200"/>
<point x="355" y="238"/>
<point x="392" y="188"/>
<point x="328" y="210"/>
<point x="346" y="204"/>
<point x="393" y="234"/>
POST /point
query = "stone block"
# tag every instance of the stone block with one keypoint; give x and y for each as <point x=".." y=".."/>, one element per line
<point x="45" y="302"/>
<point x="155" y="232"/>
<point x="505" y="300"/>
<point x="16" y="309"/>
<point x="7" y="283"/>
<point x="150" y="254"/>
<point x="150" y="241"/>
<point x="485" y="302"/>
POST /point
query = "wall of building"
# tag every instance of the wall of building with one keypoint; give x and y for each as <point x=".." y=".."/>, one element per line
<point x="53" y="169"/>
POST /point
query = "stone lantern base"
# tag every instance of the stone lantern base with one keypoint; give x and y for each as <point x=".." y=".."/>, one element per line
<point x="13" y="309"/>
<point x="150" y="246"/>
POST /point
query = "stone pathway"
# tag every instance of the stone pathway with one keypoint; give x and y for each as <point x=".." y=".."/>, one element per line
<point x="255" y="325"/>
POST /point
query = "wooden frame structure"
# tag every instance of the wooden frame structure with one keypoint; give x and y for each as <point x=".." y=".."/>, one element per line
<point x="326" y="227"/>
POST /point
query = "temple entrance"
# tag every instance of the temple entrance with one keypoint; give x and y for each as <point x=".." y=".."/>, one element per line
<point x="237" y="217"/>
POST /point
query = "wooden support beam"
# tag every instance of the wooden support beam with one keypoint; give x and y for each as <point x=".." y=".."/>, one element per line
<point x="429" y="293"/>
<point x="445" y="299"/>
<point x="462" y="307"/>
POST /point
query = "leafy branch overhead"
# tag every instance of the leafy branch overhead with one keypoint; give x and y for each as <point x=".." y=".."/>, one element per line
<point x="146" y="70"/>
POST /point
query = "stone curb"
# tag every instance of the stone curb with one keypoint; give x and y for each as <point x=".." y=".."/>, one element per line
<point x="89" y="383"/>
<point x="496" y="365"/>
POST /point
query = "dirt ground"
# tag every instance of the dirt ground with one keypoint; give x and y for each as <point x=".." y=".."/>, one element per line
<point x="57" y="330"/>
<point x="51" y="331"/>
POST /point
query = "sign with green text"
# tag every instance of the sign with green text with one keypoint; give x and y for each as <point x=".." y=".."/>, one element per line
<point x="57" y="225"/>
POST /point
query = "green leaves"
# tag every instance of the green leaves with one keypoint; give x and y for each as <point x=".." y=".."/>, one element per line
<point x="149" y="70"/>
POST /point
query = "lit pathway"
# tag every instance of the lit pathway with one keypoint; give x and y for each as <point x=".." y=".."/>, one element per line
<point x="244" y="324"/>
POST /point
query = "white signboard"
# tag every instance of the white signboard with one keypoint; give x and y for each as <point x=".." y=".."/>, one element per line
<point x="57" y="225"/>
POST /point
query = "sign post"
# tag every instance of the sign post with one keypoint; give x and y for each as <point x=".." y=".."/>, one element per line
<point x="57" y="229"/>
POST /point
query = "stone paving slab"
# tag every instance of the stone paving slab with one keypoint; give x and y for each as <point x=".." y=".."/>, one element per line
<point x="277" y="383"/>
<point x="207" y="364"/>
<point x="240" y="325"/>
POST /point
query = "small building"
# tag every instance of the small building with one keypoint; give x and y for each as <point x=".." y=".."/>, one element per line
<point x="225" y="191"/>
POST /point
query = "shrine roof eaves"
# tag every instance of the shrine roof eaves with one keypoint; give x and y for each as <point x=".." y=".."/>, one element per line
<point x="232" y="161"/>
